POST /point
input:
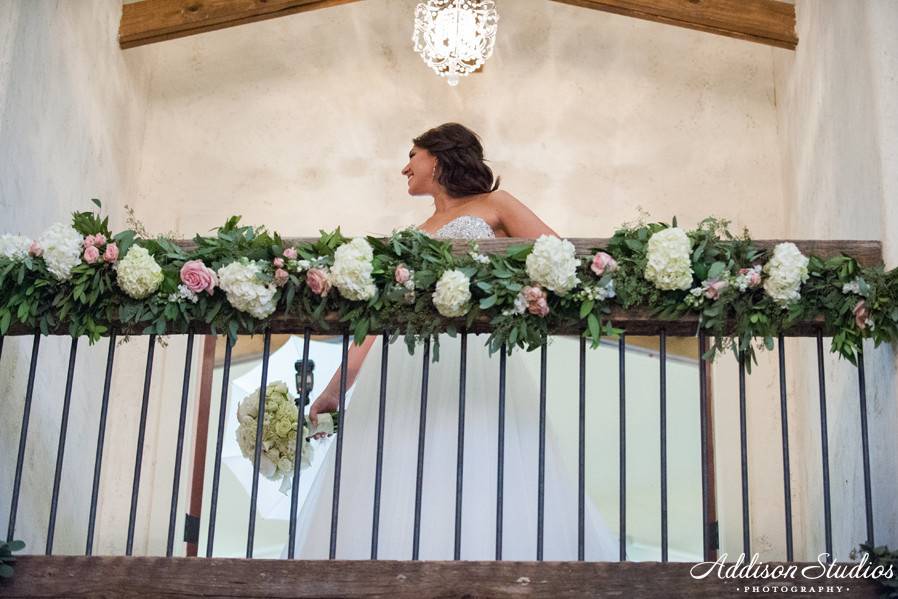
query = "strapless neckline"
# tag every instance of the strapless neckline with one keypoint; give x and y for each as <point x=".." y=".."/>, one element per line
<point x="466" y="226"/>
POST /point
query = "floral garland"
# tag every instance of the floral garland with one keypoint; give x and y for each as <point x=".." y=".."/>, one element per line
<point x="412" y="285"/>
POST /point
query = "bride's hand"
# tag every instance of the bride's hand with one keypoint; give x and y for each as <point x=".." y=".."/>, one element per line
<point x="328" y="401"/>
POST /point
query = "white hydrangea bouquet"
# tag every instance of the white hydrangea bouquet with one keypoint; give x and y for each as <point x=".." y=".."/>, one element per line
<point x="279" y="432"/>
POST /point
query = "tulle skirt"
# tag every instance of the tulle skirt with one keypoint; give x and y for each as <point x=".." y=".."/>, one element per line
<point x="519" y="506"/>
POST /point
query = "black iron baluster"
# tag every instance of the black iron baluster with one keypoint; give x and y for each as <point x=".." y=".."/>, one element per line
<point x="257" y="456"/>
<point x="335" y="506"/>
<point x="787" y="476"/>
<point x="865" y="441"/>
<point x="824" y="446"/>
<point x="743" y="449"/>
<point x="540" y="489"/>
<point x="416" y="542"/>
<point x="459" y="471"/>
<point x="500" y="459"/>
<point x="101" y="436"/>
<point x="141" y="436"/>
<point x="179" y="450"/>
<point x="23" y="437"/>
<point x="378" y="472"/>
<point x="219" y="444"/>
<point x="297" y="453"/>
<point x="703" y="419"/>
<point x="581" y="458"/>
<point x="60" y="452"/>
<point x="663" y="408"/>
<point x="622" y="432"/>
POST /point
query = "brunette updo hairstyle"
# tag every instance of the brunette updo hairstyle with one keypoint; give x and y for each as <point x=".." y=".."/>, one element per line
<point x="460" y="165"/>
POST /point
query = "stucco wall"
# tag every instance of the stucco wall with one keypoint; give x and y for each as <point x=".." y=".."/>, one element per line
<point x="72" y="108"/>
<point x="304" y="122"/>
<point x="838" y="117"/>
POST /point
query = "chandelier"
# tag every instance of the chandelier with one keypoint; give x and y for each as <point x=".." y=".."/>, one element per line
<point x="455" y="37"/>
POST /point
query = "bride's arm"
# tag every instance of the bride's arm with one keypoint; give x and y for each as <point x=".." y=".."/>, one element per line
<point x="329" y="399"/>
<point x="517" y="219"/>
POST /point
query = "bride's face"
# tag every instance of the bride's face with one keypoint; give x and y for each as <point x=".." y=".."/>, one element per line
<point x="420" y="171"/>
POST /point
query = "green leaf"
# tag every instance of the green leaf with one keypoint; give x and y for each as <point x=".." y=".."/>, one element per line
<point x="716" y="270"/>
<point x="488" y="302"/>
<point x="593" y="323"/>
<point x="16" y="545"/>
<point x="586" y="307"/>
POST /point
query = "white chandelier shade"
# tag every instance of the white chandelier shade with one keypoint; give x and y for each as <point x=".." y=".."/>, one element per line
<point x="455" y="37"/>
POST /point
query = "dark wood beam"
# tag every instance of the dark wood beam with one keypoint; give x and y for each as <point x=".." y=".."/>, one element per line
<point x="762" y="21"/>
<point x="151" y="21"/>
<point x="76" y="576"/>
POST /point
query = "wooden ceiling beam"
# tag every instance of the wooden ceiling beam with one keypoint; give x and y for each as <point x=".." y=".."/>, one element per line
<point x="763" y="21"/>
<point x="151" y="21"/>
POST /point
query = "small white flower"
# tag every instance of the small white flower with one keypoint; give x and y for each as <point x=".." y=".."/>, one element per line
<point x="138" y="274"/>
<point x="786" y="271"/>
<point x="14" y="247"/>
<point x="553" y="264"/>
<point x="452" y="294"/>
<point x="185" y="293"/>
<point x="301" y="265"/>
<point x="351" y="272"/>
<point x="669" y="263"/>
<point x="242" y="282"/>
<point x="520" y="304"/>
<point x="62" y="250"/>
<point x="479" y="258"/>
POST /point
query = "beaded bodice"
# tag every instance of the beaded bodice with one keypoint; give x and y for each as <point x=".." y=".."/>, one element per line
<point x="466" y="227"/>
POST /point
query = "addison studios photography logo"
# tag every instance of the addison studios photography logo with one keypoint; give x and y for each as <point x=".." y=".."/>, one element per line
<point x="821" y="577"/>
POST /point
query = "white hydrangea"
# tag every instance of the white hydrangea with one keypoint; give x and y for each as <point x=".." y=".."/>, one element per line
<point x="62" y="250"/>
<point x="786" y="271"/>
<point x="453" y="292"/>
<point x="669" y="259"/>
<point x="137" y="273"/>
<point x="553" y="264"/>
<point x="351" y="272"/>
<point x="14" y="247"/>
<point x="242" y="283"/>
<point x="279" y="431"/>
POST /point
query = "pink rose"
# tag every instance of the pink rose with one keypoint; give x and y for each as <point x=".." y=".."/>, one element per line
<point x="602" y="263"/>
<point x="531" y="294"/>
<point x="198" y="277"/>
<point x="317" y="281"/>
<point x="91" y="254"/>
<point x="35" y="249"/>
<point x="713" y="289"/>
<point x="111" y="253"/>
<point x="278" y="262"/>
<point x="89" y="241"/>
<point x="290" y="254"/>
<point x="536" y="299"/>
<point x="540" y="307"/>
<point x="280" y="277"/>
<point x="99" y="239"/>
<point x="752" y="276"/>
<point x="402" y="274"/>
<point x="861" y="314"/>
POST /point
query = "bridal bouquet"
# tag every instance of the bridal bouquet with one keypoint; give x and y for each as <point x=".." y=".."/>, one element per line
<point x="279" y="432"/>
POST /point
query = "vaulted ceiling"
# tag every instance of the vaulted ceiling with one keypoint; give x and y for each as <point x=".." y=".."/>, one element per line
<point x="762" y="21"/>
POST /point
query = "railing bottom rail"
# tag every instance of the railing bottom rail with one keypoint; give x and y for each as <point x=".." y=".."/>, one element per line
<point x="101" y="576"/>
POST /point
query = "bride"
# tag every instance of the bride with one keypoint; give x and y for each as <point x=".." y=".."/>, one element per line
<point x="447" y="163"/>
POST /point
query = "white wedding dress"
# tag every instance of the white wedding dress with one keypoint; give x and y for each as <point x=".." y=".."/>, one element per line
<point x="438" y="503"/>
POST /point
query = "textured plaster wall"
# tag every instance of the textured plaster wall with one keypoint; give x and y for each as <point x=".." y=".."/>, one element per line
<point x="838" y="118"/>
<point x="72" y="108"/>
<point x="304" y="122"/>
